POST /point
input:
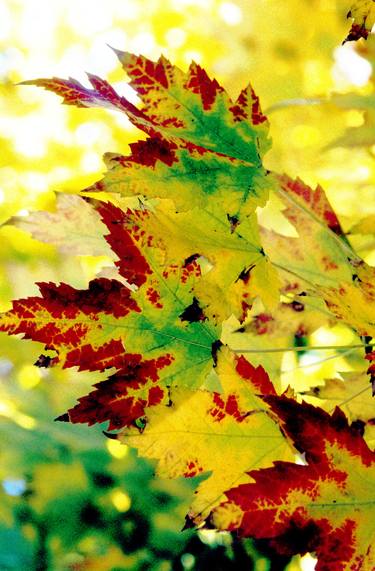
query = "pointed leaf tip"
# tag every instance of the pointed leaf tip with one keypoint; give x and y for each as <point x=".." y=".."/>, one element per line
<point x="63" y="418"/>
<point x="110" y="435"/>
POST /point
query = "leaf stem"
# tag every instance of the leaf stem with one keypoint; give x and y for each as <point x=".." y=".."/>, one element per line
<point x="352" y="397"/>
<point x="306" y="348"/>
<point x="318" y="362"/>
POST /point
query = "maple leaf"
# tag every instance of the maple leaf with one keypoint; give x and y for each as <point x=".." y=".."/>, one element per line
<point x="363" y="14"/>
<point x="226" y="256"/>
<point x="324" y="507"/>
<point x="353" y="301"/>
<point x="329" y="268"/>
<point x="202" y="143"/>
<point x="351" y="394"/>
<point x="147" y="334"/>
<point x="74" y="228"/>
<point x="197" y="108"/>
<point x="225" y="432"/>
<point x="190" y="265"/>
<point x="204" y="154"/>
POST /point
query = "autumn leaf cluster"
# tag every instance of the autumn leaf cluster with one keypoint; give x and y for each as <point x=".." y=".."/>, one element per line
<point x="201" y="292"/>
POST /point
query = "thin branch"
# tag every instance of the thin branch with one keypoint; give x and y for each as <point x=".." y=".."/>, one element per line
<point x="318" y="361"/>
<point x="307" y="348"/>
<point x="352" y="397"/>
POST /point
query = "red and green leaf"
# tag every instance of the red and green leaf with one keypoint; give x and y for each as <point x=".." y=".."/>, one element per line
<point x="190" y="266"/>
<point x="222" y="434"/>
<point x="99" y="327"/>
<point x="325" y="506"/>
<point x="202" y="143"/>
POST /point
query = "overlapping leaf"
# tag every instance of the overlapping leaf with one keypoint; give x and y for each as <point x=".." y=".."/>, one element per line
<point x="364" y="226"/>
<point x="226" y="255"/>
<point x="265" y="334"/>
<point x="158" y="327"/>
<point x="352" y="395"/>
<point x="74" y="228"/>
<point x="203" y="146"/>
<point x="190" y="266"/>
<point x="326" y="506"/>
<point x="203" y="154"/>
<point x="354" y="301"/>
<point x="226" y="433"/>
<point x="316" y="256"/>
<point x="321" y="258"/>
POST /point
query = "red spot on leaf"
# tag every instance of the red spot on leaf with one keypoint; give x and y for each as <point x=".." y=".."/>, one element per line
<point x="144" y="73"/>
<point x="123" y="238"/>
<point x="154" y="297"/>
<point x="199" y="82"/>
<point x="192" y="468"/>
<point x="329" y="264"/>
<point x="240" y="109"/>
<point x="262" y="323"/>
<point x="148" y="152"/>
<point x="190" y="269"/>
<point x="357" y="31"/>
<point x="88" y="358"/>
<point x="102" y="296"/>
<point x="256" y="375"/>
<point x="227" y="406"/>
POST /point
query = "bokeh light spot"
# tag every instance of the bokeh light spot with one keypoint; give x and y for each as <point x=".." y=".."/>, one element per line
<point x="175" y="37"/>
<point x="230" y="13"/>
<point x="121" y="500"/>
<point x="350" y="66"/>
<point x="14" y="486"/>
<point x="29" y="376"/>
<point x="116" y="449"/>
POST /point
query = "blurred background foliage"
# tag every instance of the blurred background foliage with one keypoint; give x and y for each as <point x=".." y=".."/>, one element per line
<point x="70" y="499"/>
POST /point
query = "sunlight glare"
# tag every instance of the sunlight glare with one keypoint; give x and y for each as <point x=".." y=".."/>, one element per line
<point x="230" y="13"/>
<point x="308" y="562"/>
<point x="350" y="66"/>
<point x="144" y="43"/>
<point x="5" y="22"/>
<point x="175" y="37"/>
<point x="116" y="449"/>
<point x="192" y="55"/>
<point x="91" y="162"/>
<point x="86" y="19"/>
